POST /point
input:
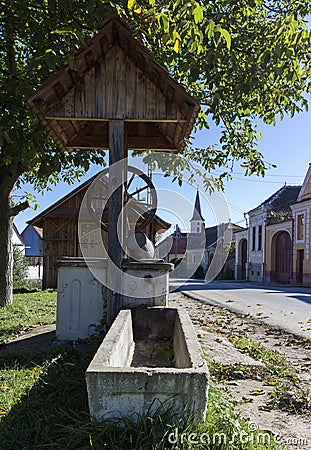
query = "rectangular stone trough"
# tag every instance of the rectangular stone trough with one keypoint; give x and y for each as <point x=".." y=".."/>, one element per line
<point x="149" y="357"/>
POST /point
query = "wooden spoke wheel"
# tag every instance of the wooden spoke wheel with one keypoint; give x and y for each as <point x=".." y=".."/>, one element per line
<point x="140" y="200"/>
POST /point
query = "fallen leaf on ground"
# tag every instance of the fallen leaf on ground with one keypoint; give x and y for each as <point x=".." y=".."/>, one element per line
<point x="264" y="408"/>
<point x="257" y="392"/>
<point x="247" y="399"/>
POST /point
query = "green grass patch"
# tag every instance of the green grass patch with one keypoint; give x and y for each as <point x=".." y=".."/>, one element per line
<point x="275" y="362"/>
<point x="236" y="372"/>
<point x="28" y="310"/>
<point x="43" y="401"/>
<point x="288" y="395"/>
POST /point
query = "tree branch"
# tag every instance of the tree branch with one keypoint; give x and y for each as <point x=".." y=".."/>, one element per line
<point x="16" y="209"/>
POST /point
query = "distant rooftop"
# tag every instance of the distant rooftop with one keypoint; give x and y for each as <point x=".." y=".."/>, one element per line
<point x="281" y="199"/>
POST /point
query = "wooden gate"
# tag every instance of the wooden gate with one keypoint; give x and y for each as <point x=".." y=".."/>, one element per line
<point x="283" y="257"/>
<point x="243" y="259"/>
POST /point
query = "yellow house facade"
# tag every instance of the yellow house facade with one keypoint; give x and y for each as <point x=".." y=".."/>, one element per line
<point x="301" y="234"/>
<point x="278" y="252"/>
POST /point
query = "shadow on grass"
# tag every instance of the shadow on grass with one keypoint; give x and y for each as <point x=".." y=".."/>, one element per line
<point x="45" y="338"/>
<point x="53" y="414"/>
<point x="37" y="420"/>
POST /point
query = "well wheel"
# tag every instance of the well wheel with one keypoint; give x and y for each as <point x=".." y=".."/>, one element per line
<point x="139" y="211"/>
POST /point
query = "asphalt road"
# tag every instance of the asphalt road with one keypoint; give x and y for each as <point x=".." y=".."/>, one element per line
<point x="283" y="307"/>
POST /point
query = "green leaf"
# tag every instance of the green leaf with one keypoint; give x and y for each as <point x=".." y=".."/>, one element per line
<point x="210" y="29"/>
<point x="177" y="45"/>
<point x="226" y="36"/>
<point x="130" y="4"/>
<point x="198" y="13"/>
<point x="163" y="18"/>
<point x="63" y="31"/>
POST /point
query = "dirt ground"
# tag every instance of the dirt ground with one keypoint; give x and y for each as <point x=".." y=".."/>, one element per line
<point x="276" y="401"/>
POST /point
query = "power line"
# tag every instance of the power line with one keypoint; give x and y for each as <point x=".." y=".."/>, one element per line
<point x="258" y="181"/>
<point x="246" y="178"/>
<point x="270" y="174"/>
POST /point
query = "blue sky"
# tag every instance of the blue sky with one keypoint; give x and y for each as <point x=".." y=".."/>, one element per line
<point x="288" y="145"/>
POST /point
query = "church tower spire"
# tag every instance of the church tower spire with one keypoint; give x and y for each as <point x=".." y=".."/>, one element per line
<point x="197" y="221"/>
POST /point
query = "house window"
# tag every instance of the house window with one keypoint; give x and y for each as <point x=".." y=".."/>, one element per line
<point x="253" y="239"/>
<point x="193" y="258"/>
<point x="300" y="227"/>
<point x="260" y="237"/>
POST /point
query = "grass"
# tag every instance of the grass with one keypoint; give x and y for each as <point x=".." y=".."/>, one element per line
<point x="28" y="310"/>
<point x="275" y="362"/>
<point x="43" y="402"/>
<point x="288" y="395"/>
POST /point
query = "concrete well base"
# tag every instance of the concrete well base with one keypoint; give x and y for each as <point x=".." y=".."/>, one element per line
<point x="81" y="298"/>
<point x="118" y="386"/>
<point x="145" y="282"/>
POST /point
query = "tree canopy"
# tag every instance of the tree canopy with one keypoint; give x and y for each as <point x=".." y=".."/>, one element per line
<point x="33" y="43"/>
<point x="241" y="60"/>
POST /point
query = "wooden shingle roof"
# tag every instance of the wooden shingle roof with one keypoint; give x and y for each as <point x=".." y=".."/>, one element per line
<point x="115" y="77"/>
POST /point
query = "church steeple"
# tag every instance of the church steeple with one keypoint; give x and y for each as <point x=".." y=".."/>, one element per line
<point x="197" y="221"/>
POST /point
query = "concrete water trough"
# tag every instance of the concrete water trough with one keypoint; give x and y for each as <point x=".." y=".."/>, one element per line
<point x="149" y="357"/>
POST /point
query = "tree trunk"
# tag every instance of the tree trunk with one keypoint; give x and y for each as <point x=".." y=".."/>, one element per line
<point x="6" y="253"/>
<point x="8" y="210"/>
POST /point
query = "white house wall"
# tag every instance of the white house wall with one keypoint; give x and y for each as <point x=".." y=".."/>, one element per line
<point x="256" y="255"/>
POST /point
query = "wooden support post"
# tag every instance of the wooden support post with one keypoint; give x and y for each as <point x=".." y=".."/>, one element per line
<point x="117" y="177"/>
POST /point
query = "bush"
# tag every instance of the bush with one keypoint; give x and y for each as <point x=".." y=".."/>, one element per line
<point x="30" y="285"/>
<point x="20" y="268"/>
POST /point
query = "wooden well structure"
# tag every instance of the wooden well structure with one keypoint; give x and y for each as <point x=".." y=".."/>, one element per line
<point x="116" y="97"/>
<point x="59" y="225"/>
